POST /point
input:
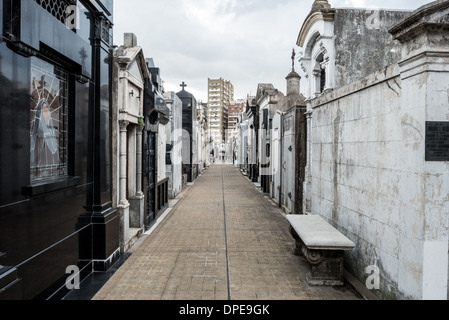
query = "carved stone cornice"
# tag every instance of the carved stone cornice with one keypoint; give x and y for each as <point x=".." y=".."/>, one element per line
<point x="140" y="128"/>
<point x="102" y="27"/>
<point x="19" y="47"/>
<point x="433" y="15"/>
<point x="123" y="125"/>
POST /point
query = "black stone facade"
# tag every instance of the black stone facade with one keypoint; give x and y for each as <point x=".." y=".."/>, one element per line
<point x="252" y="113"/>
<point x="49" y="225"/>
<point x="189" y="118"/>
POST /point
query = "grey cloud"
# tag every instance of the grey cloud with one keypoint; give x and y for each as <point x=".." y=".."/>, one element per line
<point x="253" y="46"/>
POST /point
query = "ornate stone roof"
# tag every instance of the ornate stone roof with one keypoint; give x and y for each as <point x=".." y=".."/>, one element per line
<point x="321" y="10"/>
<point x="293" y="74"/>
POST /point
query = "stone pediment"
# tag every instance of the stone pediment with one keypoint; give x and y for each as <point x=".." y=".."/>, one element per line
<point x="133" y="60"/>
<point x="135" y="70"/>
<point x="132" y="73"/>
<point x="264" y="89"/>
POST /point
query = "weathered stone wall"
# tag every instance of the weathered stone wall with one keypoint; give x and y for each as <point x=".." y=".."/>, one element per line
<point x="174" y="137"/>
<point x="371" y="181"/>
<point x="367" y="172"/>
<point x="363" y="44"/>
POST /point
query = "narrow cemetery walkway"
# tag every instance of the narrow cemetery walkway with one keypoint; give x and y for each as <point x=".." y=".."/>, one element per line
<point x="222" y="241"/>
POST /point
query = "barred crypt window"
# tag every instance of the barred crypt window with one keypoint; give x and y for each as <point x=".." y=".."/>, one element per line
<point x="321" y="73"/>
<point x="322" y="79"/>
<point x="49" y="121"/>
<point x="56" y="7"/>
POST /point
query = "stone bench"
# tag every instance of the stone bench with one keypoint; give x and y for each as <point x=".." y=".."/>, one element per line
<point x="323" y="246"/>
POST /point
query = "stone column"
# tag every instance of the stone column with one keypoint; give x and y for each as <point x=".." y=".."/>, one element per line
<point x="123" y="206"/>
<point x="316" y="83"/>
<point x="325" y="65"/>
<point x="138" y="200"/>
<point x="139" y="155"/>
<point x="424" y="69"/>
<point x="308" y="174"/>
<point x="123" y="202"/>
<point x="131" y="162"/>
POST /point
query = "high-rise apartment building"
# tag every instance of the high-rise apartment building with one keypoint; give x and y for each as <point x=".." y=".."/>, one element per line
<point x="221" y="93"/>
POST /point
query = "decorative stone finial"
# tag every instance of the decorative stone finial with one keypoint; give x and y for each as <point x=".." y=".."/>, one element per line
<point x="130" y="40"/>
<point x="320" y="4"/>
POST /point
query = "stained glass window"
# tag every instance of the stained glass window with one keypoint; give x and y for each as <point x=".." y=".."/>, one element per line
<point x="49" y="120"/>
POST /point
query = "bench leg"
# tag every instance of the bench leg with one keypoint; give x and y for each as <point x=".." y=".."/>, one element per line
<point x="297" y="250"/>
<point x="327" y="267"/>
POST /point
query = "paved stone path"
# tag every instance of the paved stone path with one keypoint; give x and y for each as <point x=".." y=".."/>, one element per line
<point x="222" y="241"/>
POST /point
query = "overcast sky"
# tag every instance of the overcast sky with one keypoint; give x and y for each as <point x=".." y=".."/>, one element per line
<point x="245" y="41"/>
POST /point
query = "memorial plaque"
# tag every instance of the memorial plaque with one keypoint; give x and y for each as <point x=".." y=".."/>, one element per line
<point x="437" y="141"/>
